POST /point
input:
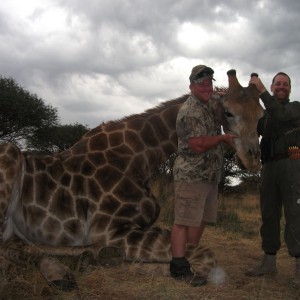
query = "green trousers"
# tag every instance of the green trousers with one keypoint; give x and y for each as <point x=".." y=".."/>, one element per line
<point x="280" y="191"/>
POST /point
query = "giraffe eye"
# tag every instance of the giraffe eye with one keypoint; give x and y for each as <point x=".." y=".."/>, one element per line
<point x="228" y="114"/>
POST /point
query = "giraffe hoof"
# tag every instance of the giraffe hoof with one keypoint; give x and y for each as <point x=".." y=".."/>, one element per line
<point x="111" y="256"/>
<point x="57" y="275"/>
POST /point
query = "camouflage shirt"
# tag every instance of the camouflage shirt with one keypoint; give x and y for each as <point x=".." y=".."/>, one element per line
<point x="196" y="119"/>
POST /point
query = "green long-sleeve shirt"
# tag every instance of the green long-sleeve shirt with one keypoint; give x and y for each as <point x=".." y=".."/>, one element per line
<point x="279" y="126"/>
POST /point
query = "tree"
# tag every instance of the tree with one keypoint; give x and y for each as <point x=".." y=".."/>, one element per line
<point x="22" y="113"/>
<point x="230" y="169"/>
<point x="167" y="166"/>
<point x="233" y="172"/>
<point x="56" y="138"/>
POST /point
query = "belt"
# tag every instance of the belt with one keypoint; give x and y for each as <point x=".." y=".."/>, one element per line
<point x="278" y="157"/>
<point x="294" y="152"/>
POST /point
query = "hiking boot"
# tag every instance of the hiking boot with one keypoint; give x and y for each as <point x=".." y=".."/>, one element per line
<point x="180" y="269"/>
<point x="267" y="266"/>
<point x="296" y="279"/>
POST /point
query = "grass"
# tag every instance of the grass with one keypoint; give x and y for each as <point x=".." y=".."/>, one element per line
<point x="237" y="215"/>
<point x="234" y="239"/>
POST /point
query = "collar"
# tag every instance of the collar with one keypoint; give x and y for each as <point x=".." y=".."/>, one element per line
<point x="285" y="101"/>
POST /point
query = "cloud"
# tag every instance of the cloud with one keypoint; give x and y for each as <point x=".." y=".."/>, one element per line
<point x="100" y="60"/>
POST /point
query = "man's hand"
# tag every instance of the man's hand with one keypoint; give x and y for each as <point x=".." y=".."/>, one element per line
<point x="258" y="84"/>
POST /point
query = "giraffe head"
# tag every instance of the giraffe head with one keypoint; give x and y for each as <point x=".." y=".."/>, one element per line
<point x="242" y="111"/>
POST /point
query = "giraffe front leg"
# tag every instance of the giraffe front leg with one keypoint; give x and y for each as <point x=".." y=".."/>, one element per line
<point x="57" y="274"/>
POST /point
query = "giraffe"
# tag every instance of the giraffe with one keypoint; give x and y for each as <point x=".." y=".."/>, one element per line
<point x="97" y="192"/>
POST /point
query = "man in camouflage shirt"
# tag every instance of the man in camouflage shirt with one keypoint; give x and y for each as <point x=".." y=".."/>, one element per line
<point x="197" y="170"/>
<point x="197" y="119"/>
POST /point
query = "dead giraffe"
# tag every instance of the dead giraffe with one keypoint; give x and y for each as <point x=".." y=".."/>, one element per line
<point x="97" y="193"/>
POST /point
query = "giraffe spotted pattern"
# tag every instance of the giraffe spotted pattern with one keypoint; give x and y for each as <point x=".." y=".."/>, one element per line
<point x="97" y="192"/>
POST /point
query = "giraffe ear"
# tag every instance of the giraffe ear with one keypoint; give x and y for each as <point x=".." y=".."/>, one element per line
<point x="219" y="111"/>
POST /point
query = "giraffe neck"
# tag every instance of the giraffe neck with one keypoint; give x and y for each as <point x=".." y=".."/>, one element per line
<point x="138" y="143"/>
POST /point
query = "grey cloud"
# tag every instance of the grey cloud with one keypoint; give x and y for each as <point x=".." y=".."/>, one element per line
<point x="113" y="57"/>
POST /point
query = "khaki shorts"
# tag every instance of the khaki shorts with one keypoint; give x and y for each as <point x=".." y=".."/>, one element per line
<point x="195" y="202"/>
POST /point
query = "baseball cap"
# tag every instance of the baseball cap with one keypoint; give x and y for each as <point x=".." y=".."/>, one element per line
<point x="200" y="73"/>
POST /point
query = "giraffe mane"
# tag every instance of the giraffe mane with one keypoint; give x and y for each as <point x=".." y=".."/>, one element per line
<point x="161" y="106"/>
<point x="150" y="111"/>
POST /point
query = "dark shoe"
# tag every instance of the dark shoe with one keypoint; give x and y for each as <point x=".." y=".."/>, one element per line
<point x="180" y="270"/>
<point x="191" y="278"/>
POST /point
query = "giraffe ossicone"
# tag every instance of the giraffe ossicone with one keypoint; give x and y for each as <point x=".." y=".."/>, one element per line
<point x="97" y="192"/>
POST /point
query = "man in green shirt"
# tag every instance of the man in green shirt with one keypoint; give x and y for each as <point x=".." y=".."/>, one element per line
<point x="280" y="174"/>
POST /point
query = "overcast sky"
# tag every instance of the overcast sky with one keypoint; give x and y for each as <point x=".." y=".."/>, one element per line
<point x="100" y="60"/>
